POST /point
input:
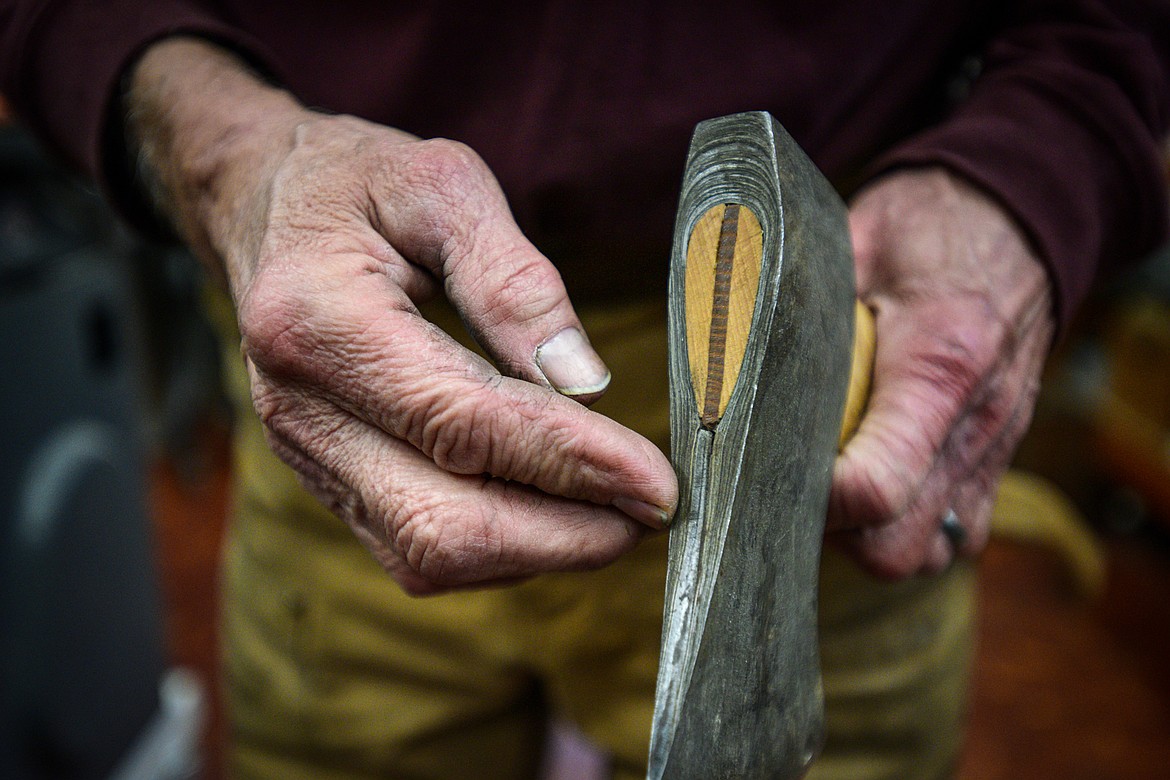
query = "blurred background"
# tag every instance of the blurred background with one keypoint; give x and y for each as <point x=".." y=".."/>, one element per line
<point x="115" y="483"/>
<point x="112" y="427"/>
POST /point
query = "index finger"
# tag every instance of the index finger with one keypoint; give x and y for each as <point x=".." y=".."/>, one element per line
<point x="361" y="344"/>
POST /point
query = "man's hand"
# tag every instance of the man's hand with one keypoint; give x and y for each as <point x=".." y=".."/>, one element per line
<point x="329" y="230"/>
<point x="964" y="323"/>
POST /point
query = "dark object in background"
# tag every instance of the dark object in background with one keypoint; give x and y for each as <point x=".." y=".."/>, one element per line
<point x="1131" y="419"/>
<point x="81" y="646"/>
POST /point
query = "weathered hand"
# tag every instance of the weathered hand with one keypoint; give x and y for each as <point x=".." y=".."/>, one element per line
<point x="451" y="471"/>
<point x="964" y="323"/>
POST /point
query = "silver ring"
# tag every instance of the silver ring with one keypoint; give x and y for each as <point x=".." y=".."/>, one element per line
<point x="953" y="530"/>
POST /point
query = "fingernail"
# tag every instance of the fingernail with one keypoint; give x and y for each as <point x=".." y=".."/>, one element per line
<point x="653" y="516"/>
<point x="570" y="365"/>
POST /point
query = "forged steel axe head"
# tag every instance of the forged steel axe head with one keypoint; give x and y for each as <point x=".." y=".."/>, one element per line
<point x="761" y="315"/>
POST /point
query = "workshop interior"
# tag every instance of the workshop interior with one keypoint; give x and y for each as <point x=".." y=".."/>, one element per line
<point x="114" y="490"/>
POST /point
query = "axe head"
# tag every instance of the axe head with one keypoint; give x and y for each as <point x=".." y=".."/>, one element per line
<point x="761" y="318"/>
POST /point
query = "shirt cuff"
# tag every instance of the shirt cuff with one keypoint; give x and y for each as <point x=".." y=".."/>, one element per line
<point x="75" y="54"/>
<point x="1088" y="193"/>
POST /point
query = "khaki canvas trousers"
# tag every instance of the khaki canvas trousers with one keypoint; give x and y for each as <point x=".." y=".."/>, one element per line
<point x="334" y="673"/>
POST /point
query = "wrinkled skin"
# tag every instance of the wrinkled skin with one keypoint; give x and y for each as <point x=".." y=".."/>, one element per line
<point x="452" y="472"/>
<point x="964" y="319"/>
<point x="457" y="472"/>
<point x="328" y="230"/>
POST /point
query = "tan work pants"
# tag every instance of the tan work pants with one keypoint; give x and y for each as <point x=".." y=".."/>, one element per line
<point x="334" y="673"/>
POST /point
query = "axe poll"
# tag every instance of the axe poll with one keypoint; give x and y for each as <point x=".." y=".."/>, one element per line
<point x="762" y="311"/>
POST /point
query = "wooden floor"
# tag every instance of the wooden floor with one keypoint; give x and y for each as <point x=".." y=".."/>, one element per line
<point x="1063" y="688"/>
<point x="1066" y="689"/>
<point x="190" y="508"/>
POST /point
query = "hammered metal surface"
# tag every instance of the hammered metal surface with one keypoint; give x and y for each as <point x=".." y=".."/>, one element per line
<point x="739" y="678"/>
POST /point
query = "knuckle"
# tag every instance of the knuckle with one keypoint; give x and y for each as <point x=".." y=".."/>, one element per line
<point x="272" y="327"/>
<point x="416" y="537"/>
<point x="954" y="369"/>
<point x="459" y="436"/>
<point x="458" y="446"/>
<point x="960" y="355"/>
<point x="519" y="291"/>
<point x="468" y="429"/>
<point x="562" y="465"/>
<point x="444" y="190"/>
<point x="475" y="432"/>
<point x="444" y="167"/>
<point x="448" y="550"/>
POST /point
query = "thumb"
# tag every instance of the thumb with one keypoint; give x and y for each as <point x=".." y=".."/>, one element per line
<point x="510" y="296"/>
<point x="514" y="302"/>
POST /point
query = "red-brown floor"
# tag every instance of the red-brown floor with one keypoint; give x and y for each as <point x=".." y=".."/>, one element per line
<point x="1063" y="688"/>
<point x="190" y="512"/>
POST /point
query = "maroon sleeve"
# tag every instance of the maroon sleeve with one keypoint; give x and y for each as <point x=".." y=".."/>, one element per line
<point x="61" y="62"/>
<point x="1063" y="126"/>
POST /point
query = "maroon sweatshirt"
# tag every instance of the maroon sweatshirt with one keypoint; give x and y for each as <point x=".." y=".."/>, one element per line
<point x="584" y="110"/>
